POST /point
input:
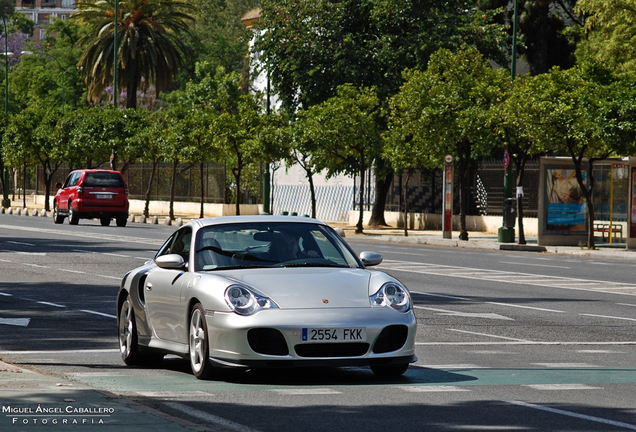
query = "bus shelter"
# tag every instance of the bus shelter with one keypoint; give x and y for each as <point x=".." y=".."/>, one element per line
<point x="563" y="212"/>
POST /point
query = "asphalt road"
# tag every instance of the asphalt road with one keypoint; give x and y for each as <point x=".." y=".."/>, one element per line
<point x="506" y="340"/>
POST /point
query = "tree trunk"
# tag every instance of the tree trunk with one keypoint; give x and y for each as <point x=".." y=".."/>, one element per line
<point x="173" y="184"/>
<point x="237" y="179"/>
<point x="382" y="185"/>
<point x="202" y="190"/>
<point x="131" y="94"/>
<point x="155" y="162"/>
<point x="312" y="191"/>
<point x="464" y="164"/>
<point x="520" y="164"/>
<point x="406" y="205"/>
<point x="539" y="63"/>
<point x="359" y="228"/>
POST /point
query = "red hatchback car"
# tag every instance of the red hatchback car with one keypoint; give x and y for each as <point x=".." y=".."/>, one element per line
<point x="92" y="194"/>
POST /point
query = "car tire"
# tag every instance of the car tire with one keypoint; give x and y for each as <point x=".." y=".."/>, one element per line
<point x="57" y="218"/>
<point x="390" y="370"/>
<point x="128" y="342"/>
<point x="199" y="344"/>
<point x="104" y="220"/>
<point x="128" y="339"/>
<point x="73" y="215"/>
<point x="121" y="221"/>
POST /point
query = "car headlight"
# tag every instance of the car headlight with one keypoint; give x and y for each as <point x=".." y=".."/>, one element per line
<point x="392" y="295"/>
<point x="245" y="301"/>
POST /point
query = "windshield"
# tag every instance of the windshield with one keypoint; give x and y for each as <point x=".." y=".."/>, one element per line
<point x="248" y="245"/>
<point x="103" y="179"/>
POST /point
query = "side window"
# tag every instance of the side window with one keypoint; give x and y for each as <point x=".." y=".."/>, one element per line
<point x="179" y="244"/>
<point x="73" y="179"/>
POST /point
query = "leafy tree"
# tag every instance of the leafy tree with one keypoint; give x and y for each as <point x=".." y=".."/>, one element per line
<point x="219" y="36"/>
<point x="514" y="120"/>
<point x="609" y="26"/>
<point x="311" y="47"/>
<point x="150" y="51"/>
<point x="590" y="121"/>
<point x="443" y="111"/>
<point x="236" y="126"/>
<point x="344" y="135"/>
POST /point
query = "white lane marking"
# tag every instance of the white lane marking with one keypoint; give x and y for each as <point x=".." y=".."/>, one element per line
<point x="626" y="304"/>
<point x="306" y="392"/>
<point x="432" y="389"/>
<point x="1" y="260"/>
<point x="35" y="265"/>
<point x="548" y="387"/>
<point x="492" y="303"/>
<point x="533" y="265"/>
<point x="599" y="352"/>
<point x="21" y="243"/>
<point x="610" y="317"/>
<point x="522" y="342"/>
<point x="98" y="313"/>
<point x="509" y="277"/>
<point x="20" y="322"/>
<point x="488" y="335"/>
<point x="565" y="365"/>
<point x="453" y="366"/>
<point x="106" y="237"/>
<point x="143" y="258"/>
<point x="116" y="255"/>
<point x="72" y="271"/>
<point x="81" y="351"/>
<point x="109" y="277"/>
<point x="573" y="414"/>
<point x="465" y="314"/>
<point x="6" y="294"/>
<point x="24" y="253"/>
<point x="209" y="418"/>
<point x="174" y="394"/>
<point x="51" y="304"/>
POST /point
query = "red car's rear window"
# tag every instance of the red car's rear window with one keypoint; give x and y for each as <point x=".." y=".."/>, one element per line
<point x="103" y="180"/>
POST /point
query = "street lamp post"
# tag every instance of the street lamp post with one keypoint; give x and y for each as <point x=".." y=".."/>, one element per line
<point x="506" y="233"/>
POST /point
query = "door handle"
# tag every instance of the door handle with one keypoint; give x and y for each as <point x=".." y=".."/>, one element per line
<point x="148" y="286"/>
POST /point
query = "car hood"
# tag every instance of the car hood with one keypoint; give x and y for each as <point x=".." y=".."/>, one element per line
<point x="309" y="288"/>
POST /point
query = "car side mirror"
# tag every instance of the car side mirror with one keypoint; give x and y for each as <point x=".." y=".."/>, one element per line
<point x="170" y="262"/>
<point x="369" y="258"/>
<point x="58" y="185"/>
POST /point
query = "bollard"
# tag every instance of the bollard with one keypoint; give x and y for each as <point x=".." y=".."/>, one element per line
<point x="155" y="220"/>
<point x="35" y="212"/>
<point x="142" y="219"/>
<point x="131" y="218"/>
<point x="18" y="211"/>
<point x="179" y="222"/>
<point x="167" y="221"/>
<point x="43" y="213"/>
<point x="25" y="212"/>
<point x="340" y="232"/>
<point x="2" y="211"/>
<point x="10" y="210"/>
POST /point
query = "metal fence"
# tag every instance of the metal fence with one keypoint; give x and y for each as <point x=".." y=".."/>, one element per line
<point x="137" y="176"/>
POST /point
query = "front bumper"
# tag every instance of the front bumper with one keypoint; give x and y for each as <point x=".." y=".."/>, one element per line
<point x="230" y="345"/>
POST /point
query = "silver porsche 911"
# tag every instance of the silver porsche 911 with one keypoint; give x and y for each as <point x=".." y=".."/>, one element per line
<point x="264" y="291"/>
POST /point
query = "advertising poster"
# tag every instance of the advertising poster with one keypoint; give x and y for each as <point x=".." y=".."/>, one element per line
<point x="566" y="204"/>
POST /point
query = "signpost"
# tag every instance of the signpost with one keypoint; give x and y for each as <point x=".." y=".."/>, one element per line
<point x="447" y="204"/>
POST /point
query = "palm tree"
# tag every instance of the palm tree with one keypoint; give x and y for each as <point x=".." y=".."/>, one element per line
<point x="150" y="49"/>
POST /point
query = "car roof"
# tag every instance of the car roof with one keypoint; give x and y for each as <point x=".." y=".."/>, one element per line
<point x="96" y="171"/>
<point x="222" y="220"/>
